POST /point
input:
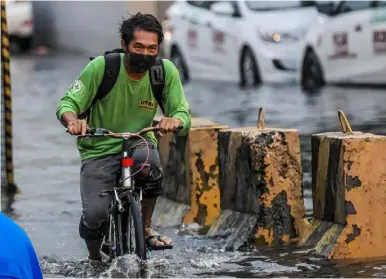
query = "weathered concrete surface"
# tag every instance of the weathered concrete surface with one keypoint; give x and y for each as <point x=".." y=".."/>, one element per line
<point x="321" y="235"/>
<point x="349" y="189"/>
<point x="236" y="227"/>
<point x="190" y="165"/>
<point x="260" y="174"/>
<point x="168" y="213"/>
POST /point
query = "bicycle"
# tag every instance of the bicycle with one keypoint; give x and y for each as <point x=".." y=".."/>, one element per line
<point x="125" y="208"/>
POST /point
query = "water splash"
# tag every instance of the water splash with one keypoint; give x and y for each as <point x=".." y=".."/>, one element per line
<point x="195" y="254"/>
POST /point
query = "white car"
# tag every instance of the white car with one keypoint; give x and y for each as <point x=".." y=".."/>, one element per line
<point x="346" y="46"/>
<point x="238" y="41"/>
<point x="20" y="23"/>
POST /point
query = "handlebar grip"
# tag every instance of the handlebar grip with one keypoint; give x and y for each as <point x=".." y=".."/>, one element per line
<point x="178" y="129"/>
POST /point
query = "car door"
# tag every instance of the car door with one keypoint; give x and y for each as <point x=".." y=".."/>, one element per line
<point x="198" y="36"/>
<point x="346" y="40"/>
<point x="225" y="41"/>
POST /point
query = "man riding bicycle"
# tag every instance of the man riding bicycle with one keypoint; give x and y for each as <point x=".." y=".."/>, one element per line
<point x="129" y="107"/>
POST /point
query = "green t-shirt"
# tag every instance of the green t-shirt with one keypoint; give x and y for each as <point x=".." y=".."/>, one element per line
<point x="129" y="107"/>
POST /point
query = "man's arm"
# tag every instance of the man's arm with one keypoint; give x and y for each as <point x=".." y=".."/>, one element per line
<point x="80" y="94"/>
<point x="175" y="103"/>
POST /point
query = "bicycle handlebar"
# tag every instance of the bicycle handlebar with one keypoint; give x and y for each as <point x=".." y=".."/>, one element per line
<point x="101" y="132"/>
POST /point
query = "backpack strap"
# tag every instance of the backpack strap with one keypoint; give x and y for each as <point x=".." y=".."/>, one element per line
<point x="157" y="81"/>
<point x="110" y="76"/>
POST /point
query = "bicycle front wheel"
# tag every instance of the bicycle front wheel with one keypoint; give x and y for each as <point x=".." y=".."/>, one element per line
<point x="135" y="228"/>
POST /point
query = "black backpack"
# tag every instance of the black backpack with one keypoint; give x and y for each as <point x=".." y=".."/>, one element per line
<point x="112" y="68"/>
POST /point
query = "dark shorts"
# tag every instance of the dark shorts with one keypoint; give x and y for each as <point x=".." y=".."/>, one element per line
<point x="101" y="173"/>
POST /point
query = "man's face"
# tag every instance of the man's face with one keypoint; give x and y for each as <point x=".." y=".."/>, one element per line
<point x="144" y="42"/>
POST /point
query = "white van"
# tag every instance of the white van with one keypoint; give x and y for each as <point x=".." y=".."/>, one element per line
<point x="239" y="41"/>
<point x="347" y="45"/>
<point x="20" y="23"/>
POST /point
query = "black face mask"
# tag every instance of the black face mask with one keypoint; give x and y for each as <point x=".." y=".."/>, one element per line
<point x="140" y="63"/>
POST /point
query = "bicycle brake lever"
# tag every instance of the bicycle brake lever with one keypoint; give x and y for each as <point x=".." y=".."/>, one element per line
<point x="100" y="132"/>
<point x="95" y="132"/>
<point x="89" y="130"/>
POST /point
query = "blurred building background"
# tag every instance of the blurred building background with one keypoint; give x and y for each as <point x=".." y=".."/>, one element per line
<point x="70" y="26"/>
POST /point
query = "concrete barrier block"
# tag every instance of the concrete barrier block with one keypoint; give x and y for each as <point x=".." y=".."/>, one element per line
<point x="168" y="213"/>
<point x="235" y="227"/>
<point x="190" y="165"/>
<point x="260" y="173"/>
<point x="321" y="236"/>
<point x="349" y="189"/>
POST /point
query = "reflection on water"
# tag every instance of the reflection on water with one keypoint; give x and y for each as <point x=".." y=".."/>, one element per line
<point x="47" y="171"/>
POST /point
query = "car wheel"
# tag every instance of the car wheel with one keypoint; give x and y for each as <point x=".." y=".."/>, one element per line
<point x="249" y="71"/>
<point x="25" y="44"/>
<point x="180" y="64"/>
<point x="312" y="73"/>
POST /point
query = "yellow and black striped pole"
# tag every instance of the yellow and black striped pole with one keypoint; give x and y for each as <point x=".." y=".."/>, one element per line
<point x="9" y="185"/>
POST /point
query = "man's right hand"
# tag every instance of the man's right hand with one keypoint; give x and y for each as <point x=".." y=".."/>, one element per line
<point x="77" y="127"/>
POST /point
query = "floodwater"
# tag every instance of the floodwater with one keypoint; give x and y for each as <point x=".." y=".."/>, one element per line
<point x="47" y="171"/>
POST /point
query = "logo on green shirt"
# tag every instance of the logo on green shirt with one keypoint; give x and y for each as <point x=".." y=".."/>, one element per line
<point x="146" y="104"/>
<point x="77" y="87"/>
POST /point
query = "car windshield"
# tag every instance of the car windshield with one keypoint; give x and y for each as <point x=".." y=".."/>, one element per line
<point x="277" y="5"/>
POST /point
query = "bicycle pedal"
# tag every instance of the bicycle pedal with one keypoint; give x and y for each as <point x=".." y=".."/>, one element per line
<point x="161" y="248"/>
<point x="105" y="257"/>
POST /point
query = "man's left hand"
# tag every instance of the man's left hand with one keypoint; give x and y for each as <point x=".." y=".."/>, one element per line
<point x="168" y="124"/>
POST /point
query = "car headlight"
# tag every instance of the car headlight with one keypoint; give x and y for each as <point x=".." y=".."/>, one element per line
<point x="167" y="35"/>
<point x="168" y="30"/>
<point x="282" y="37"/>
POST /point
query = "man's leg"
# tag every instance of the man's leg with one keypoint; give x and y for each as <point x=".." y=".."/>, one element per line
<point x="96" y="174"/>
<point x="150" y="176"/>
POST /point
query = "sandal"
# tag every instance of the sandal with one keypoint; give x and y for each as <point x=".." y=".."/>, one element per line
<point x="158" y="237"/>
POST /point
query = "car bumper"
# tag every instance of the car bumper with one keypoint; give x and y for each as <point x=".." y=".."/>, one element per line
<point x="279" y="62"/>
<point x="22" y="33"/>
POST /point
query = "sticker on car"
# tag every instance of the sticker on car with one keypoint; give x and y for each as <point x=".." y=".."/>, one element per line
<point x="192" y="37"/>
<point x="218" y="38"/>
<point x="379" y="41"/>
<point x="340" y="46"/>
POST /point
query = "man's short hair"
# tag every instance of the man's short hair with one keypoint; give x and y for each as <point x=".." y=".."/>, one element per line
<point x="139" y="21"/>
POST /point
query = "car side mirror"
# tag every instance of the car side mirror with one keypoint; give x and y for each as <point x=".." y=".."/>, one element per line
<point x="223" y="8"/>
<point x="327" y="8"/>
